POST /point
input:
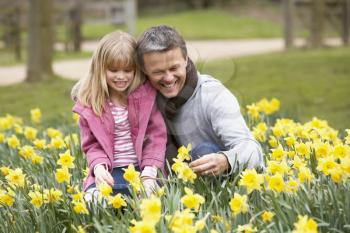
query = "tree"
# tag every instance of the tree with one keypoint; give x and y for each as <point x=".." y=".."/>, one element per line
<point x="317" y="23"/>
<point x="40" y="40"/>
<point x="10" y="19"/>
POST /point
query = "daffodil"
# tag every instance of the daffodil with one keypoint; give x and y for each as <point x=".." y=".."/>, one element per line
<point x="133" y="177"/>
<point x="238" y="204"/>
<point x="247" y="228"/>
<point x="105" y="189"/>
<point x="191" y="200"/>
<point x="276" y="183"/>
<point x="151" y="209"/>
<point x="267" y="216"/>
<point x="16" y="177"/>
<point x="66" y="160"/>
<point x="251" y="180"/>
<point x="39" y="143"/>
<point x="63" y="175"/>
<point x="30" y="133"/>
<point x="80" y="207"/>
<point x="142" y="227"/>
<point x="13" y="142"/>
<point x="37" y="198"/>
<point x="117" y="201"/>
<point x="305" y="225"/>
<point x="35" y="115"/>
<point x="53" y="195"/>
<point x="183" y="152"/>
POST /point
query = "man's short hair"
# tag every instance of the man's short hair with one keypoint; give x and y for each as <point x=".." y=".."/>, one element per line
<point x="160" y="38"/>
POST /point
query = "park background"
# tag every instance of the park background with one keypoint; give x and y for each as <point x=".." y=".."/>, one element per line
<point x="293" y="50"/>
<point x="310" y="78"/>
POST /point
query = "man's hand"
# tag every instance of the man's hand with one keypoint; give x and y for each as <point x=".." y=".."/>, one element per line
<point x="102" y="175"/>
<point x="211" y="164"/>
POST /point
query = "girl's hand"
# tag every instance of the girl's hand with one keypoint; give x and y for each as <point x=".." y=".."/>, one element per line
<point x="102" y="175"/>
<point x="150" y="185"/>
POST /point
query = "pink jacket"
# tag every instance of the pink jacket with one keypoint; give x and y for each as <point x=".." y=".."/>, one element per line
<point x="148" y="132"/>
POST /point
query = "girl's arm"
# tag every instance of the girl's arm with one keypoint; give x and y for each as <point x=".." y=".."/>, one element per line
<point x="91" y="147"/>
<point x="155" y="145"/>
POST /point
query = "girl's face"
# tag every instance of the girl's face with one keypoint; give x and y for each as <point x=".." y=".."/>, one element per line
<point x="119" y="78"/>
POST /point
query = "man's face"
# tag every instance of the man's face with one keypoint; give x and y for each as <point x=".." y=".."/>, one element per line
<point x="166" y="71"/>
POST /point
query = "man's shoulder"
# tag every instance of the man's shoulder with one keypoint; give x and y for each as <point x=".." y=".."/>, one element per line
<point x="210" y="86"/>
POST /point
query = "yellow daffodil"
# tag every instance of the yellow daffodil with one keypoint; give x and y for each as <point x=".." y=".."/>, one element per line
<point x="66" y="160"/>
<point x="267" y="216"/>
<point x="276" y="183"/>
<point x="151" y="209"/>
<point x="117" y="201"/>
<point x="37" y="198"/>
<point x="16" y="177"/>
<point x="253" y="111"/>
<point x="305" y="225"/>
<point x="238" y="204"/>
<point x="40" y="143"/>
<point x="251" y="180"/>
<point x="53" y="195"/>
<point x="35" y="115"/>
<point x="105" y="189"/>
<point x="30" y="133"/>
<point x="13" y="142"/>
<point x="142" y="227"/>
<point x="183" y="152"/>
<point x="133" y="177"/>
<point x="191" y="200"/>
<point x="247" y="228"/>
<point x="54" y="133"/>
<point x="80" y="207"/>
<point x="62" y="175"/>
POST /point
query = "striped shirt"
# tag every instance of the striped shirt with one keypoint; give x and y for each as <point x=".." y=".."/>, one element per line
<point x="124" y="152"/>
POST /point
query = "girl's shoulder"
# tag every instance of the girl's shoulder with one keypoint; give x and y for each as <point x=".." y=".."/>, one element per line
<point x="144" y="90"/>
<point x="81" y="109"/>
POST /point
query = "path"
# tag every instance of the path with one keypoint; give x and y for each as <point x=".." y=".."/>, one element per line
<point x="197" y="50"/>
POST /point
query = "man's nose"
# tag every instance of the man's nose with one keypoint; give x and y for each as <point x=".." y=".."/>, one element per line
<point x="168" y="76"/>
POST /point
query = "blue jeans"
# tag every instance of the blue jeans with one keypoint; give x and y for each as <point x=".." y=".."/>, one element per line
<point x="120" y="184"/>
<point x="203" y="149"/>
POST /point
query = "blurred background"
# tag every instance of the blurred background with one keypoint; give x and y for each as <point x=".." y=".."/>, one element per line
<point x="294" y="50"/>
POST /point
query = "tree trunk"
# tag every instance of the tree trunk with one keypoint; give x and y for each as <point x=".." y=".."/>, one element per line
<point x="288" y="12"/>
<point x="346" y="22"/>
<point x="40" y="41"/>
<point x="317" y="23"/>
<point x="12" y="30"/>
<point x="74" y="25"/>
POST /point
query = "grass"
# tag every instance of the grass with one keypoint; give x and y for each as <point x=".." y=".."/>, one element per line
<point x="311" y="83"/>
<point x="52" y="97"/>
<point x="194" y="24"/>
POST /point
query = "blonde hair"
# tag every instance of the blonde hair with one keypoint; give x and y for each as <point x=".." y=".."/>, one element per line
<point x="114" y="49"/>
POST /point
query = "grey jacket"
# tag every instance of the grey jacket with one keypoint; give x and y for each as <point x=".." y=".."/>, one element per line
<point x="212" y="114"/>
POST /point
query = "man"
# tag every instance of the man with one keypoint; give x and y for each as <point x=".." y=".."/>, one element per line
<point x="197" y="108"/>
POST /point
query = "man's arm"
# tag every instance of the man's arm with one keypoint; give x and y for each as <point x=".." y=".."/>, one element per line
<point x="223" y="112"/>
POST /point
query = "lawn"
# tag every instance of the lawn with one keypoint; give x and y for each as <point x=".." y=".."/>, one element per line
<point x="198" y="24"/>
<point x="311" y="83"/>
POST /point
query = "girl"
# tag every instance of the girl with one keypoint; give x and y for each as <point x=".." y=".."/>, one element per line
<point x="119" y="120"/>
